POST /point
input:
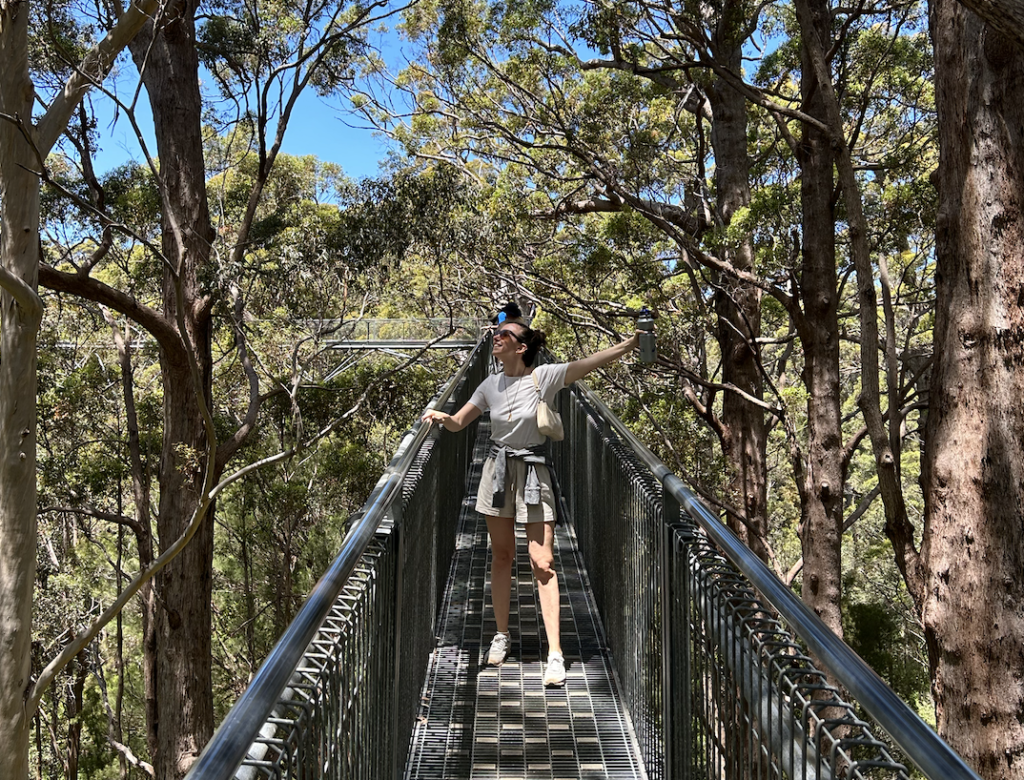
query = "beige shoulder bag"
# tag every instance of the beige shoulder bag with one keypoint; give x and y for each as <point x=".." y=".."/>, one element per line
<point x="548" y="420"/>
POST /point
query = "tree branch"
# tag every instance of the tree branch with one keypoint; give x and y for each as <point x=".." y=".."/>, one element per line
<point x="230" y="446"/>
<point x="85" y="637"/>
<point x="99" y="514"/>
<point x="91" y="289"/>
<point x="94" y="68"/>
<point x="857" y="514"/>
<point x="23" y="294"/>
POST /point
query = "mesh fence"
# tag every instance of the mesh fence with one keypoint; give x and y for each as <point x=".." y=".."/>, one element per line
<point x="716" y="683"/>
<point x="350" y="704"/>
<point x="713" y="656"/>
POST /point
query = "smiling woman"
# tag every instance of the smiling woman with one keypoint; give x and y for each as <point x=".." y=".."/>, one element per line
<point x="516" y="485"/>
<point x="506" y="333"/>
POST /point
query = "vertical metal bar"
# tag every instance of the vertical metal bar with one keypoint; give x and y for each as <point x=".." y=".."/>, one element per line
<point x="669" y="518"/>
<point x="685" y="721"/>
<point x="397" y="764"/>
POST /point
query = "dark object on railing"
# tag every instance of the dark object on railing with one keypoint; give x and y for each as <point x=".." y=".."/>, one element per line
<point x="648" y="344"/>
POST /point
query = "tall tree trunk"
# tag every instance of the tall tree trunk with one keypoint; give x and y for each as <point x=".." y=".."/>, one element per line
<point x="1005" y="16"/>
<point x="143" y="540"/>
<point x="738" y="304"/>
<point x="822" y="484"/>
<point x="20" y="313"/>
<point x="168" y="62"/>
<point x="972" y="554"/>
<point x="74" y="712"/>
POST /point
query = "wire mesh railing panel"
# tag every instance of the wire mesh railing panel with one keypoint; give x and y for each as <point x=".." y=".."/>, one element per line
<point x="431" y="501"/>
<point x="719" y="681"/>
<point x="713" y="654"/>
<point x="615" y="508"/>
<point x="758" y="705"/>
<point x="338" y="695"/>
<point x="335" y="718"/>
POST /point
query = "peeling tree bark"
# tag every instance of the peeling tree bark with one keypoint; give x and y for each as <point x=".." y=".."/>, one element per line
<point x="972" y="553"/>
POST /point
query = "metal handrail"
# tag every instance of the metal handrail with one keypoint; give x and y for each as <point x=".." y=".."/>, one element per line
<point x="227" y="749"/>
<point x="915" y="738"/>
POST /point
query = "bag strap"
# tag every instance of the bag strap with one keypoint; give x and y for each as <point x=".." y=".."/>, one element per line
<point x="536" y="384"/>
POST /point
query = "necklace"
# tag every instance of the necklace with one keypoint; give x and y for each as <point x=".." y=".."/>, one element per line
<point x="515" y="395"/>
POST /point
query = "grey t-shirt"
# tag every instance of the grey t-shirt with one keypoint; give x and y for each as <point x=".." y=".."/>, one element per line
<point x="513" y="403"/>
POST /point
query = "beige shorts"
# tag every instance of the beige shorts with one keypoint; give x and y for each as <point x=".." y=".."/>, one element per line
<point x="515" y="503"/>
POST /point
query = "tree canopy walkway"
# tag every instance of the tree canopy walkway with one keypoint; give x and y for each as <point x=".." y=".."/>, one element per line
<point x="686" y="657"/>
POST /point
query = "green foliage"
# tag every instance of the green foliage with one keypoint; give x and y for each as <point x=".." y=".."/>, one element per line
<point x="245" y="47"/>
<point x="320" y="241"/>
<point x="878" y="617"/>
<point x="881" y="638"/>
<point x="133" y="197"/>
<point x="583" y="191"/>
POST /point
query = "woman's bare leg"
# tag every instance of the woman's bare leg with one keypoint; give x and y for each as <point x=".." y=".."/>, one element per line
<point x="541" y="538"/>
<point x="502" y="531"/>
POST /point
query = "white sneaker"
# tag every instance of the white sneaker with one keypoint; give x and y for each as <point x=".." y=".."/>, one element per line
<point x="499" y="649"/>
<point x="554" y="673"/>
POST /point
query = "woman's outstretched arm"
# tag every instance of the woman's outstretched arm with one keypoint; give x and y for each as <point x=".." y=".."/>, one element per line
<point x="453" y="422"/>
<point x="580" y="368"/>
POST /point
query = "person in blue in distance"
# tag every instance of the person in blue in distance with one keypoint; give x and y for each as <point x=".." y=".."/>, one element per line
<point x="516" y="486"/>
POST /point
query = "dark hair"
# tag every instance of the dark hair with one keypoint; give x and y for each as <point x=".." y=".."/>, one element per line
<point x="511" y="311"/>
<point x="535" y="341"/>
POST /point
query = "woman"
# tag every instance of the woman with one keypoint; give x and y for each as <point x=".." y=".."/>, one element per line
<point x="516" y="485"/>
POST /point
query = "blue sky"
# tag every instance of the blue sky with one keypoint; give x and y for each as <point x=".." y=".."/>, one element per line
<point x="318" y="127"/>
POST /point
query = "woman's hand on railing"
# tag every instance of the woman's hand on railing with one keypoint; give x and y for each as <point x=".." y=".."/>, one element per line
<point x="432" y="416"/>
<point x="452" y="422"/>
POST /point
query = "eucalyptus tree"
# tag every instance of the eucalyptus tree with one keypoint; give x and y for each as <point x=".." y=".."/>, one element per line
<point x="625" y="132"/>
<point x="708" y="41"/>
<point x="24" y="144"/>
<point x="961" y="562"/>
<point x="833" y="74"/>
<point x="1005" y="17"/>
<point x="964" y="563"/>
<point x="628" y="131"/>
<point x="262" y="58"/>
<point x="321" y="249"/>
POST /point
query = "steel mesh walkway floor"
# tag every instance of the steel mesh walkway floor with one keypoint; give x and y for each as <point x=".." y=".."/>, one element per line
<point x="485" y="722"/>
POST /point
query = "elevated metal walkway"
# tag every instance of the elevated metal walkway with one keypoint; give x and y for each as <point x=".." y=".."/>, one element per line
<point x="484" y="722"/>
<point x="722" y="673"/>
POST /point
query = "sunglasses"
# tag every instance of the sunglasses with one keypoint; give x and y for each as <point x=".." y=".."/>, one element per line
<point x="506" y="333"/>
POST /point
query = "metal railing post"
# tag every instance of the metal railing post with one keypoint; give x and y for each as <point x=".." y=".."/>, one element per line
<point x="397" y="764"/>
<point x="669" y="519"/>
<point x="684" y="728"/>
